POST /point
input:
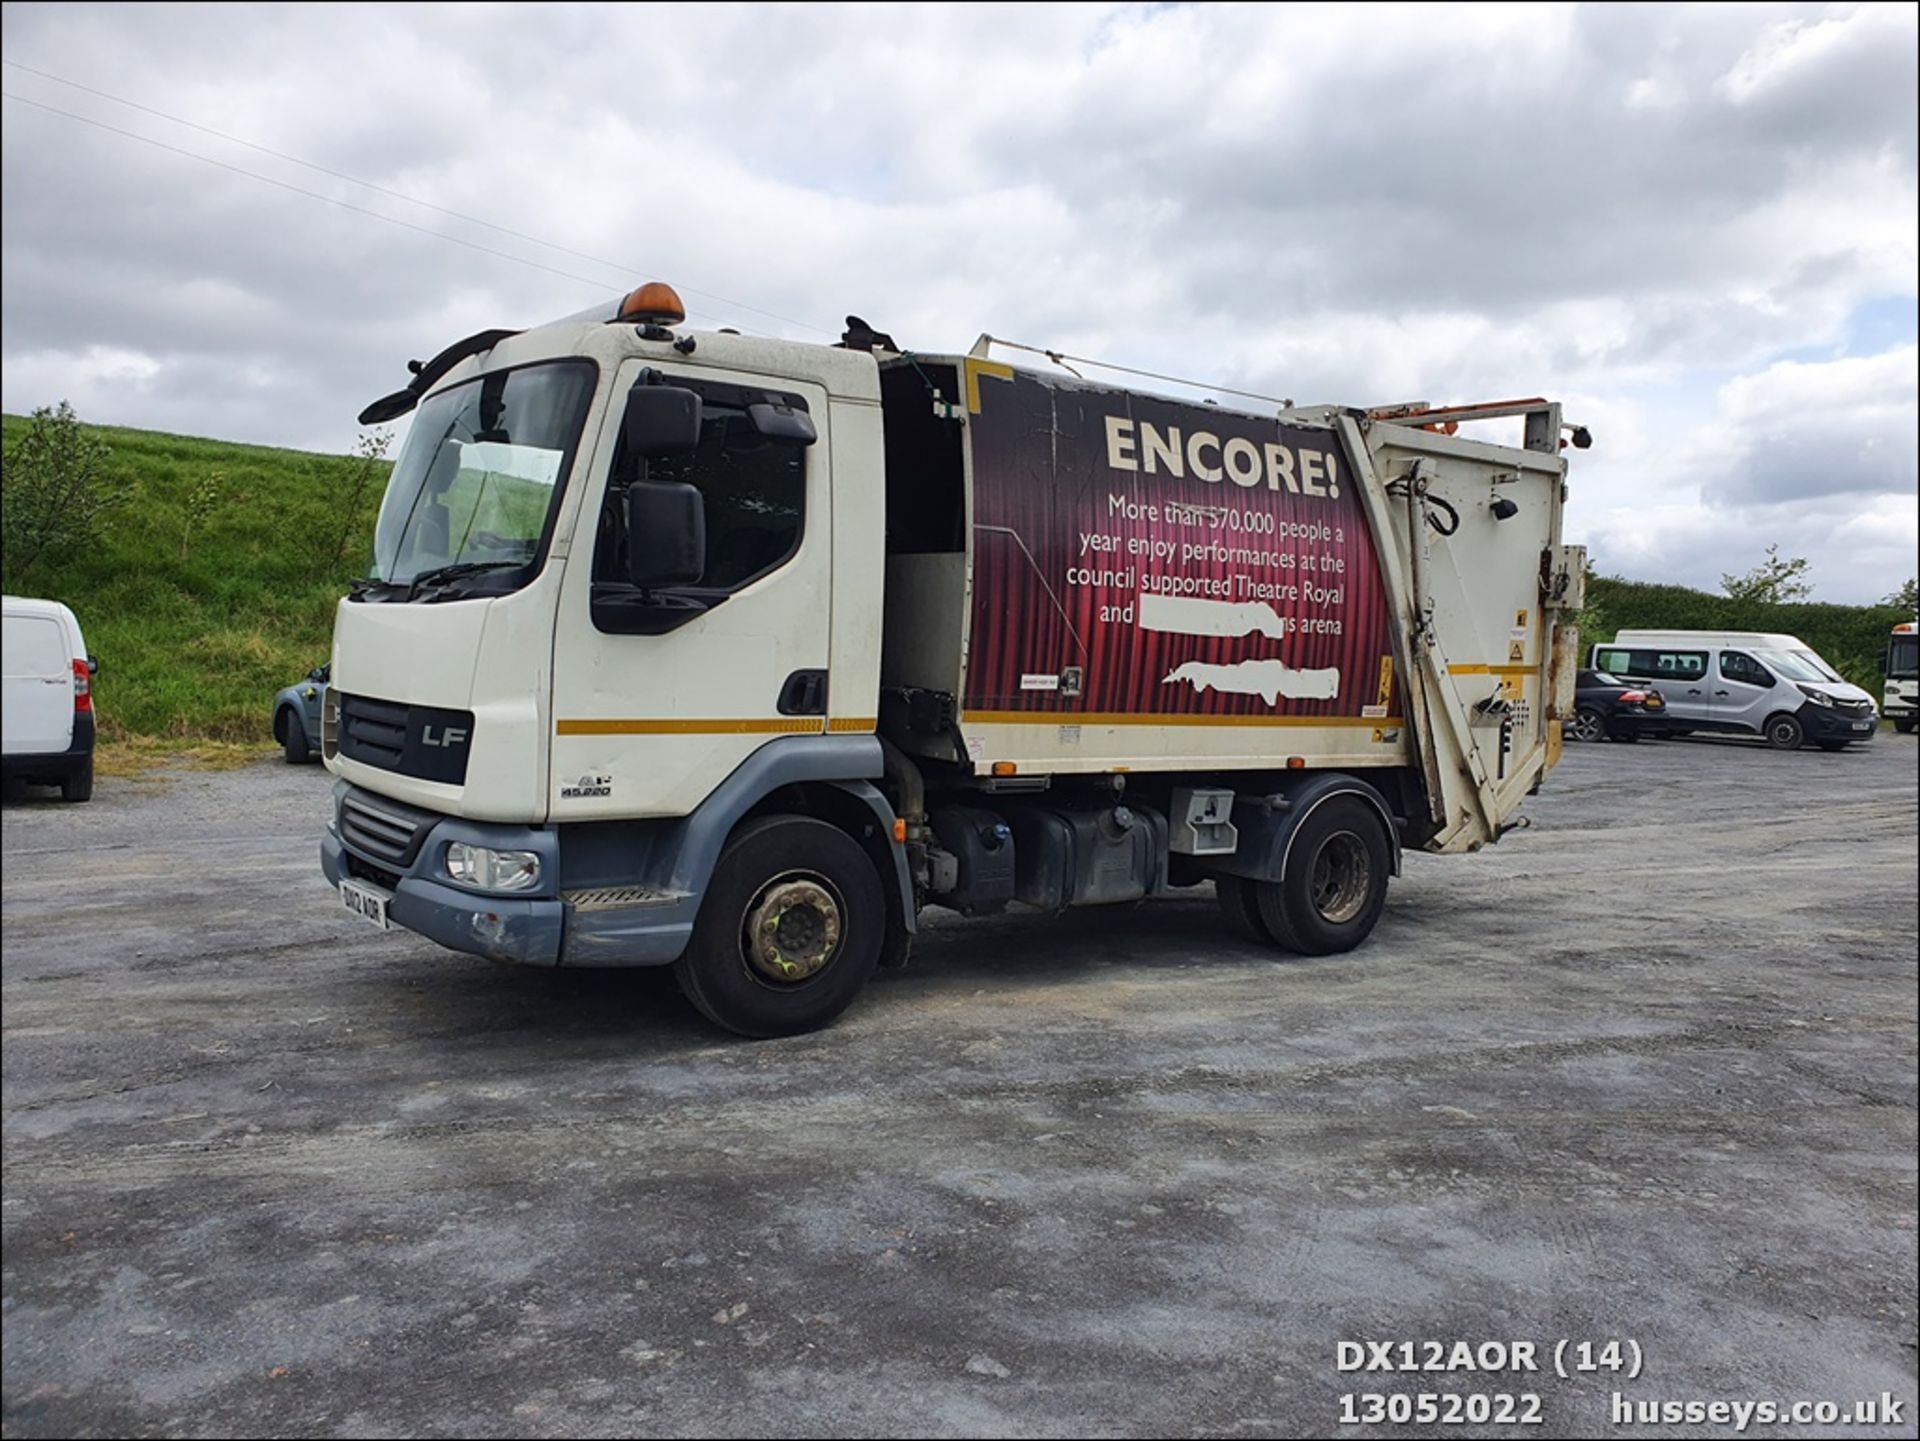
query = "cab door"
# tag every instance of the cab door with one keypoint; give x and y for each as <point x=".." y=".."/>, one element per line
<point x="1742" y="692"/>
<point x="647" y="724"/>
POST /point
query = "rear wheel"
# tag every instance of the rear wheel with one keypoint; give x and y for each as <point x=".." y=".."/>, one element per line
<point x="1785" y="733"/>
<point x="1335" y="883"/>
<point x="1588" y="724"/>
<point x="789" y="932"/>
<point x="79" y="785"/>
<point x="1239" y="899"/>
<point x="293" y="739"/>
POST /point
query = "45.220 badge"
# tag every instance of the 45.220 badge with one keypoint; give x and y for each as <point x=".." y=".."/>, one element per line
<point x="587" y="786"/>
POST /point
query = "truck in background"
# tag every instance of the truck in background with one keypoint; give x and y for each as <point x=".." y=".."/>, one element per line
<point x="1900" y="701"/>
<point x="733" y="654"/>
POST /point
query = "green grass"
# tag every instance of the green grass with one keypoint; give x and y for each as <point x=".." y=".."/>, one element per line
<point x="197" y="623"/>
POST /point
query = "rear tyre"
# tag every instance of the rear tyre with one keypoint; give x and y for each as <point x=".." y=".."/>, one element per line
<point x="79" y="785"/>
<point x="1785" y="733"/>
<point x="790" y="930"/>
<point x="1335" y="883"/>
<point x="293" y="740"/>
<point x="1239" y="902"/>
<point x="1588" y="724"/>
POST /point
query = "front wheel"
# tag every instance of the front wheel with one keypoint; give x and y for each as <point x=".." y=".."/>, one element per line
<point x="789" y="932"/>
<point x="1905" y="727"/>
<point x="1785" y="733"/>
<point x="1335" y="883"/>
<point x="293" y="741"/>
<point x="1588" y="724"/>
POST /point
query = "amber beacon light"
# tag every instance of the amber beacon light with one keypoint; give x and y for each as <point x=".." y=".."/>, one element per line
<point x="653" y="303"/>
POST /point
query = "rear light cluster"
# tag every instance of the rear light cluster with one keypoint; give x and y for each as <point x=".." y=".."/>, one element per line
<point x="1632" y="697"/>
<point x="82" y="687"/>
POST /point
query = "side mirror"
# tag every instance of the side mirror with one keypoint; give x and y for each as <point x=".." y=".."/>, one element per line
<point x="93" y="666"/>
<point x="666" y="531"/>
<point x="660" y="420"/>
<point x="318" y="674"/>
<point x="783" y="424"/>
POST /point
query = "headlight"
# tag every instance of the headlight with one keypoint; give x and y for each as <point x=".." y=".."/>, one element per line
<point x="485" y="869"/>
<point x="1818" y="697"/>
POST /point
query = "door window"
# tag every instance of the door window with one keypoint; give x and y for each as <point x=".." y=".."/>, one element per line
<point x="755" y="491"/>
<point x="1739" y="666"/>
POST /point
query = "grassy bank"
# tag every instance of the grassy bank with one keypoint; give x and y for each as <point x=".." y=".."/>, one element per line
<point x="215" y="582"/>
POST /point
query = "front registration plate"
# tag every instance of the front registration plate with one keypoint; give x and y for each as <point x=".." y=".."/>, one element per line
<point x="366" y="902"/>
<point x="1863" y="725"/>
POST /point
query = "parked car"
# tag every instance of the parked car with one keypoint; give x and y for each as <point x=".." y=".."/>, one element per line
<point x="1605" y="705"/>
<point x="296" y="717"/>
<point x="1743" y="683"/>
<point x="46" y="728"/>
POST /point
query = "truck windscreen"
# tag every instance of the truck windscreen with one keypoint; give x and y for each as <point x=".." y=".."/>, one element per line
<point x="1903" y="657"/>
<point x="473" y="491"/>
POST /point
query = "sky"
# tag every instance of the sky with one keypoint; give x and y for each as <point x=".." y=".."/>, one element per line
<point x="1695" y="226"/>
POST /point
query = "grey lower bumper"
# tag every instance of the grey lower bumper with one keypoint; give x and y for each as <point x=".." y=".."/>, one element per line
<point x="499" y="927"/>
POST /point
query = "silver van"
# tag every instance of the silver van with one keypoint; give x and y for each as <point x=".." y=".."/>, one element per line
<point x="1744" y="683"/>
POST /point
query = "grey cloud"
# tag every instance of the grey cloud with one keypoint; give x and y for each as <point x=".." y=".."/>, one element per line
<point x="1321" y="203"/>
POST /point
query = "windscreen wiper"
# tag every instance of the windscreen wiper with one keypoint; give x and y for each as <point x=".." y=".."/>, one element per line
<point x="442" y="573"/>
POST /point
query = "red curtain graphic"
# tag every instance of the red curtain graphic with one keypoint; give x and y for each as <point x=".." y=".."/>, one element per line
<point x="1067" y="543"/>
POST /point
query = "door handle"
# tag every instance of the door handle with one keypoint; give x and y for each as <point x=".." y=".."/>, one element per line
<point x="1722" y="692"/>
<point x="1693" y="692"/>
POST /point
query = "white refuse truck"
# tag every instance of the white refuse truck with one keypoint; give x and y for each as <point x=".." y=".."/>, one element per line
<point x="734" y="654"/>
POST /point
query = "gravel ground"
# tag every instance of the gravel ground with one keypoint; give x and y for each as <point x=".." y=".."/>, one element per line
<point x="1644" y="1072"/>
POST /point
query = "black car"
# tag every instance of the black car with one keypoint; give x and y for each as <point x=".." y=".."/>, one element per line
<point x="1605" y="705"/>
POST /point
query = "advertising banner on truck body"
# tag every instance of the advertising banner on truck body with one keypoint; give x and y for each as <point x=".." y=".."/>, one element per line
<point x="1135" y="556"/>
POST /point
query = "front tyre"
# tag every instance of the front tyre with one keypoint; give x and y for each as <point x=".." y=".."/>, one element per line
<point x="293" y="741"/>
<point x="789" y="932"/>
<point x="1335" y="883"/>
<point x="1785" y="733"/>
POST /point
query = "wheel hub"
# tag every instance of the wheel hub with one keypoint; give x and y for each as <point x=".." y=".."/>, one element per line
<point x="1341" y="877"/>
<point x="792" y="929"/>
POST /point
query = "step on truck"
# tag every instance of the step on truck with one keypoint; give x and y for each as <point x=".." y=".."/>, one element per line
<point x="735" y="654"/>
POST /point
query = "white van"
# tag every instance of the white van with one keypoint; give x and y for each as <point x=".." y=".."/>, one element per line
<point x="1744" y="683"/>
<point x="46" y="727"/>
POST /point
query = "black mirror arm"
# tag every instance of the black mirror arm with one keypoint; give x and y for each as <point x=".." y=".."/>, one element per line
<point x="392" y="407"/>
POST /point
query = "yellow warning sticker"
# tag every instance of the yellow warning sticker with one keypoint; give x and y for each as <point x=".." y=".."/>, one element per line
<point x="1386" y="680"/>
<point x="1510" y="686"/>
<point x="1516" y="650"/>
<point x="1520" y="619"/>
